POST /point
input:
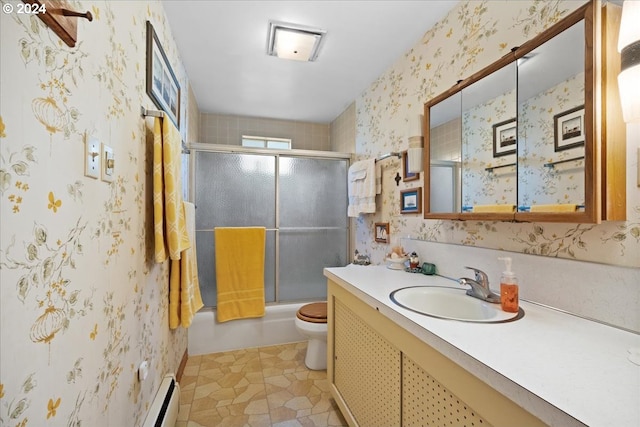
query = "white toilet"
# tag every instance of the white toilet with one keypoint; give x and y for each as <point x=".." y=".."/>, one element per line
<point x="311" y="321"/>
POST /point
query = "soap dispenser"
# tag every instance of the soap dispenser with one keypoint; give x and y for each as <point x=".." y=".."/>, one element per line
<point x="508" y="288"/>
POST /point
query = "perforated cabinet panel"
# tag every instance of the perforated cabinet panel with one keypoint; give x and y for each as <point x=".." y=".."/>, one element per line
<point x="367" y="371"/>
<point x="425" y="402"/>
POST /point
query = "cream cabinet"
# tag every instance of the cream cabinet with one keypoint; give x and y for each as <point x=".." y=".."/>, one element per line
<point x="382" y="375"/>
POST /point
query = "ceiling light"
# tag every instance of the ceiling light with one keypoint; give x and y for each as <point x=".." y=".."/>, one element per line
<point x="291" y="41"/>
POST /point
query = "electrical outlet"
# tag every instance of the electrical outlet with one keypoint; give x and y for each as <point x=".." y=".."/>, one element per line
<point x="92" y="157"/>
<point x="108" y="163"/>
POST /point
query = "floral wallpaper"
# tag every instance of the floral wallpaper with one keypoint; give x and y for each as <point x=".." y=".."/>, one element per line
<point x="470" y="37"/>
<point x="82" y="302"/>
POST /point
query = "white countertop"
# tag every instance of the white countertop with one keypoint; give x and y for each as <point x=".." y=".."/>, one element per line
<point x="564" y="369"/>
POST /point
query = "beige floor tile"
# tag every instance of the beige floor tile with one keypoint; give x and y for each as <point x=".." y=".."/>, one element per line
<point x="205" y="390"/>
<point x="191" y="370"/>
<point x="183" y="412"/>
<point x="281" y="414"/>
<point x="288" y="423"/>
<point x="260" y="420"/>
<point x="257" y="407"/>
<point x="257" y="387"/>
<point x="206" y="418"/>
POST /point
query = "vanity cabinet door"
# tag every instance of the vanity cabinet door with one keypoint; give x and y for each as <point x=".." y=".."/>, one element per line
<point x="426" y="402"/>
<point x="366" y="370"/>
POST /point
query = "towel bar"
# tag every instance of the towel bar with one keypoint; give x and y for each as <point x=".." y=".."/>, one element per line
<point x="387" y="155"/>
<point x="156" y="113"/>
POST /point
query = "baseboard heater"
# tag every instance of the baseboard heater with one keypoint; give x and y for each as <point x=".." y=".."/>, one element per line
<point x="165" y="406"/>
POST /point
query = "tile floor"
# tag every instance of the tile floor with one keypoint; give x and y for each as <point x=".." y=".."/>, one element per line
<point x="265" y="386"/>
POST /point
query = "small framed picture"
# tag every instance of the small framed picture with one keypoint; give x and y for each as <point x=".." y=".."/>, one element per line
<point x="382" y="232"/>
<point x="504" y="138"/>
<point x="406" y="175"/>
<point x="569" y="129"/>
<point x="162" y="85"/>
<point x="411" y="201"/>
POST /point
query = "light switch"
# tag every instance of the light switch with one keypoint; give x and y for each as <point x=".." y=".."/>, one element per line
<point x="108" y="163"/>
<point x="92" y="157"/>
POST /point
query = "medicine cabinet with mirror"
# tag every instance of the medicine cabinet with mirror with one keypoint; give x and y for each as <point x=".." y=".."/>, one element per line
<point x="535" y="136"/>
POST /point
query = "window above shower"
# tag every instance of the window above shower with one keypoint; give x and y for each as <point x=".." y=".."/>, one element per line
<point x="264" y="142"/>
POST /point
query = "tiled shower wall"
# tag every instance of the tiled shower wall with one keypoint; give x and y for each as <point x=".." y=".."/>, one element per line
<point x="228" y="130"/>
<point x="343" y="131"/>
<point x="445" y="141"/>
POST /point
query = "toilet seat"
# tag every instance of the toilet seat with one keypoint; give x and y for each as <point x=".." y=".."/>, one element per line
<point x="313" y="313"/>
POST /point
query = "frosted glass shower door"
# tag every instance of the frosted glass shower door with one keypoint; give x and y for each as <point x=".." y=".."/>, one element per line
<point x="233" y="190"/>
<point x="313" y="225"/>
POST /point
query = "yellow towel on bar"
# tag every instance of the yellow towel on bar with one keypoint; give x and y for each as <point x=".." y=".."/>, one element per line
<point x="170" y="226"/>
<point x="494" y="208"/>
<point x="170" y="232"/>
<point x="184" y="288"/>
<point x="240" y="272"/>
<point x="566" y="207"/>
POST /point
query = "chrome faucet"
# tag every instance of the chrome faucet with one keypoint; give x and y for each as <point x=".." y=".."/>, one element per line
<point x="480" y="286"/>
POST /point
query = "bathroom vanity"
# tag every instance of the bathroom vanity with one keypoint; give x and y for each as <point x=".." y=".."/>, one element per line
<point x="390" y="366"/>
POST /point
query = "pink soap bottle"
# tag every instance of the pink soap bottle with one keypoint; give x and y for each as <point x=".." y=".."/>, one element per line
<point x="509" y="288"/>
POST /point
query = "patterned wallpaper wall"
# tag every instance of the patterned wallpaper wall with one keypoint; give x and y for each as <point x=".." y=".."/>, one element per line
<point x="82" y="302"/>
<point x="471" y="36"/>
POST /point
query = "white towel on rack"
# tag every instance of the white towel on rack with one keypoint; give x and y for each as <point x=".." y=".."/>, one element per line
<point x="362" y="187"/>
<point x="378" y="178"/>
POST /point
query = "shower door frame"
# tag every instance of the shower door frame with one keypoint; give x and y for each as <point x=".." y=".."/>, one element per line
<point x="309" y="154"/>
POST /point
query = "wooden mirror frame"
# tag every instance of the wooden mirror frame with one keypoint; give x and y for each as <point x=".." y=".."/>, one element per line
<point x="604" y="184"/>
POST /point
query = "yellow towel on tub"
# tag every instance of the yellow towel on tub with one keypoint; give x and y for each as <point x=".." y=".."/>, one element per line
<point x="494" y="208"/>
<point x="240" y="272"/>
<point x="565" y="207"/>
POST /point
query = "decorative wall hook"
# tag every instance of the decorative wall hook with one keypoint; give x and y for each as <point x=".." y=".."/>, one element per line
<point x="61" y="20"/>
<point x="398" y="178"/>
<point x="87" y="14"/>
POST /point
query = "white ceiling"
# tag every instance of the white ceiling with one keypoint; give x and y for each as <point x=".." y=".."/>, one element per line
<point x="222" y="45"/>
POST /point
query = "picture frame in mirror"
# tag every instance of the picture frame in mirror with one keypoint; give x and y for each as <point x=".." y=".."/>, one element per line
<point x="504" y="138"/>
<point x="381" y="232"/>
<point x="568" y="129"/>
<point x="411" y="201"/>
<point x="406" y="175"/>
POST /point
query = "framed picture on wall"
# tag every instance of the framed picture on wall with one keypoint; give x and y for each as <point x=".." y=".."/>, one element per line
<point x="162" y="85"/>
<point x="568" y="129"/>
<point x="406" y="175"/>
<point x="382" y="232"/>
<point x="411" y="201"/>
<point x="504" y="138"/>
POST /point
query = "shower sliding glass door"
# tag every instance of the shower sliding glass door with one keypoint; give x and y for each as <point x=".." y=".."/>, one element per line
<point x="300" y="200"/>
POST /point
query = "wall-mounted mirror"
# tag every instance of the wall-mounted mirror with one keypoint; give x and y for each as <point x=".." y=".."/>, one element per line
<point x="470" y="146"/>
<point x="445" y="153"/>
<point x="551" y="125"/>
<point x="489" y="143"/>
<point x="527" y="153"/>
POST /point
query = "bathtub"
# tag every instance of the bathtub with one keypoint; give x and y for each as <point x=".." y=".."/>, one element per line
<point x="206" y="335"/>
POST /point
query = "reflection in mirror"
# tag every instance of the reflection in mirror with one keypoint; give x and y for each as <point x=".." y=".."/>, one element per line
<point x="489" y="143"/>
<point x="551" y="127"/>
<point x="445" y="155"/>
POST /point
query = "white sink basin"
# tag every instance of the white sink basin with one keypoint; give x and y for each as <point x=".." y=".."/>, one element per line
<point x="451" y="303"/>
